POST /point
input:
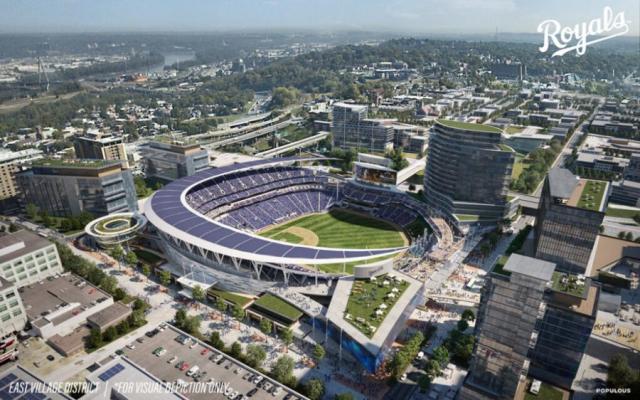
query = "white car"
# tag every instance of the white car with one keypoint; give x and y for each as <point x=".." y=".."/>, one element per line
<point x="276" y="391"/>
<point x="403" y="378"/>
<point x="258" y="379"/>
<point x="229" y="391"/>
<point x="131" y="346"/>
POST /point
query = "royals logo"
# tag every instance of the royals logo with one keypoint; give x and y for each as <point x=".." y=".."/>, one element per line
<point x="580" y="36"/>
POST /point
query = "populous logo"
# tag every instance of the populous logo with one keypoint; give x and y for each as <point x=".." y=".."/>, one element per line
<point x="580" y="36"/>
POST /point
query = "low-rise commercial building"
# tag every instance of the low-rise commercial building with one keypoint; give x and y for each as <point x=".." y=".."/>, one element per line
<point x="58" y="305"/>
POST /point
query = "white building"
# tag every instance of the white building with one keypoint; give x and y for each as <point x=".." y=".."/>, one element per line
<point x="12" y="314"/>
<point x="26" y="258"/>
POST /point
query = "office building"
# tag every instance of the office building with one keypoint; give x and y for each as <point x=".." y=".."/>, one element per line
<point x="170" y="160"/>
<point x="569" y="217"/>
<point x="632" y="172"/>
<point x="506" y="329"/>
<point x="26" y="258"/>
<point x="69" y="187"/>
<point x="10" y="164"/>
<point x="509" y="71"/>
<point x="352" y="129"/>
<point x="100" y="146"/>
<point x="571" y="306"/>
<point x="468" y="170"/>
<point x="12" y="315"/>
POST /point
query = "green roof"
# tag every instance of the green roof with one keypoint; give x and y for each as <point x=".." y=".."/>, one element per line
<point x="73" y="163"/>
<point x="504" y="147"/>
<point x="592" y="194"/>
<point x="230" y="297"/>
<point x="278" y="306"/>
<point x="567" y="283"/>
<point x="366" y="297"/>
<point x="469" y="127"/>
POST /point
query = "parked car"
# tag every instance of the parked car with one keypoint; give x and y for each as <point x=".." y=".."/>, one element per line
<point x="172" y="360"/>
<point x="252" y="392"/>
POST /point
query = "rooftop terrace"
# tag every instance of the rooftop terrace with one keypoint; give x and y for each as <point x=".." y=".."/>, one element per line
<point x="73" y="163"/>
<point x="568" y="284"/>
<point x="468" y="126"/>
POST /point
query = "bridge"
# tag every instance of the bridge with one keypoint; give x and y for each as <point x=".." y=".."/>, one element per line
<point x="252" y="134"/>
<point x="294" y="145"/>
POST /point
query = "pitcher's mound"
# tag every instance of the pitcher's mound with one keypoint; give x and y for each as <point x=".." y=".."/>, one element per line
<point x="309" y="238"/>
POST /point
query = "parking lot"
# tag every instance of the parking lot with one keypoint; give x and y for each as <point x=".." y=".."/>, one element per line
<point x="195" y="353"/>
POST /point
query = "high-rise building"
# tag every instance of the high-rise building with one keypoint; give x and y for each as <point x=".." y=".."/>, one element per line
<point x="569" y="217"/>
<point x="170" y="160"/>
<point x="27" y="258"/>
<point x="100" y="146"/>
<point x="69" y="187"/>
<point x="10" y="162"/>
<point x="468" y="170"/>
<point x="352" y="129"/>
<point x="632" y="171"/>
<point x="506" y="329"/>
<point x="571" y="307"/>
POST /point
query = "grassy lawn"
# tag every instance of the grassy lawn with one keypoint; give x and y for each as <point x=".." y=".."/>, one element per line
<point x="546" y="393"/>
<point x="592" y="194"/>
<point x="468" y="126"/>
<point x="231" y="297"/>
<point x="511" y="129"/>
<point x="343" y="229"/>
<point x="504" y="147"/>
<point x="147" y="256"/>
<point x="278" y="306"/>
<point x="621" y="212"/>
<point x="467" y="217"/>
<point x="518" y="167"/>
<point x="366" y="296"/>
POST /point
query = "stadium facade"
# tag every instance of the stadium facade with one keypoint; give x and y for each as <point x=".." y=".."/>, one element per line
<point x="208" y="222"/>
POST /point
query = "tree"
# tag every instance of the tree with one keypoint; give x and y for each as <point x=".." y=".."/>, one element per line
<point x="180" y="317"/>
<point x="468" y="315"/>
<point x="110" y="334"/>
<point x="95" y="339"/>
<point x="628" y="236"/>
<point x="192" y="325"/>
<point x="238" y="312"/>
<point x="236" y="349"/>
<point x="282" y="369"/>
<point x="146" y="270"/>
<point x="621" y="235"/>
<point x="318" y="352"/>
<point x="433" y="368"/>
<point x="117" y="253"/>
<point x="123" y="327"/>
<point x="165" y="277"/>
<point x="31" y="210"/>
<point x="314" y="389"/>
<point x="441" y="355"/>
<point x="283" y="96"/>
<point x="216" y="341"/>
<point x="265" y="326"/>
<point x="136" y="319"/>
<point x="620" y="375"/>
<point x="220" y="304"/>
<point x="109" y="284"/>
<point x="119" y="294"/>
<point x="462" y="325"/>
<point x="198" y="293"/>
<point x="255" y="355"/>
<point x="287" y="337"/>
<point x="131" y="259"/>
<point x="398" y="161"/>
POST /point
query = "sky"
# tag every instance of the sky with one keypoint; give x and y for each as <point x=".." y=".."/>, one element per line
<point x="410" y="16"/>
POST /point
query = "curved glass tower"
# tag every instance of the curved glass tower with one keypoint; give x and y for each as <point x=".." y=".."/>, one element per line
<point x="468" y="170"/>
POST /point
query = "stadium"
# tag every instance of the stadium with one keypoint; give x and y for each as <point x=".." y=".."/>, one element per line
<point x="257" y="224"/>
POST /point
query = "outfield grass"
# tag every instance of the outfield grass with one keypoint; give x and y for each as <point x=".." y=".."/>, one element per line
<point x="341" y="229"/>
